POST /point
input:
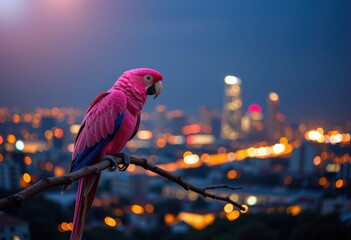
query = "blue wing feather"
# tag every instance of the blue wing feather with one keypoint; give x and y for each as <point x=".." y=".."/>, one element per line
<point x="87" y="156"/>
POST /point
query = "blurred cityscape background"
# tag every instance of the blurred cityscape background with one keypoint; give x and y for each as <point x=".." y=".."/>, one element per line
<point x="283" y="169"/>
<point x="256" y="95"/>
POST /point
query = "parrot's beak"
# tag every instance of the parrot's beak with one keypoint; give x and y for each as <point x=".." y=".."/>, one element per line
<point x="155" y="89"/>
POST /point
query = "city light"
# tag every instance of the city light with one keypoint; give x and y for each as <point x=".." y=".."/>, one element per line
<point x="70" y="147"/>
<point x="332" y="137"/>
<point x="191" y="159"/>
<point x="278" y="148"/>
<point x="234" y="197"/>
<point x="231" y="80"/>
<point x="201" y="139"/>
<point x="251" y="152"/>
<point x="26" y="177"/>
<point x="245" y="210"/>
<point x="19" y="145"/>
<point x="65" y="227"/>
<point x="197" y="221"/>
<point x="48" y="166"/>
<point x="232" y="174"/>
<point x="34" y="146"/>
<point x="27" y="160"/>
<point x="58" y="133"/>
<point x="170" y="219"/>
<point x="74" y="129"/>
<point x="251" y="200"/>
<point x="176" y="139"/>
<point x="48" y="134"/>
<point x="254" y="108"/>
<point x="235" y="105"/>
<point x="317" y="160"/>
<point x="137" y="209"/>
<point x="231" y="156"/>
<point x="161" y="143"/>
<point x="191" y="129"/>
<point x="59" y="171"/>
<point x="231" y="216"/>
<point x="144" y="134"/>
<point x="11" y="138"/>
<point x="192" y="196"/>
<point x="228" y="208"/>
<point x="273" y="96"/>
<point x="294" y="210"/>
<point x="149" y="208"/>
<point x="323" y="181"/>
<point x="16" y="118"/>
<point x="339" y="183"/>
<point x="109" y="221"/>
<point x="315" y="135"/>
<point x="332" y="167"/>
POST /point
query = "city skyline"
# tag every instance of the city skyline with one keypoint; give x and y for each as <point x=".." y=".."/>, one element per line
<point x="290" y="172"/>
<point x="63" y="53"/>
<point x="38" y="143"/>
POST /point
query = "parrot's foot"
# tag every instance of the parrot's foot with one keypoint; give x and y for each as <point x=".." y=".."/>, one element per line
<point x="113" y="159"/>
<point x="125" y="163"/>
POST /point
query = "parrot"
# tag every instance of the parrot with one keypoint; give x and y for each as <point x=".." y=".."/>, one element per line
<point x="111" y="120"/>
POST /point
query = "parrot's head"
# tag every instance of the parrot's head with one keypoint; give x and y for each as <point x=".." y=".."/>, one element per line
<point x="147" y="78"/>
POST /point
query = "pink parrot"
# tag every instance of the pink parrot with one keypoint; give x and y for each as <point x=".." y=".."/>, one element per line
<point x="111" y="120"/>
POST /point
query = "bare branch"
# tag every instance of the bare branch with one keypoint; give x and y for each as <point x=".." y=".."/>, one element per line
<point x="223" y="186"/>
<point x="19" y="198"/>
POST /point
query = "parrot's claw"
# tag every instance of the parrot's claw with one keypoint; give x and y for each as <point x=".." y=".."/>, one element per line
<point x="125" y="163"/>
<point x="113" y="160"/>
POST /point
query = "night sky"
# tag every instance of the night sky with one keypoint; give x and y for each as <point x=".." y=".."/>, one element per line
<point x="65" y="52"/>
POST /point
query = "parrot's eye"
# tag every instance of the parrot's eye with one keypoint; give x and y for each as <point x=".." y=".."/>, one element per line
<point x="148" y="78"/>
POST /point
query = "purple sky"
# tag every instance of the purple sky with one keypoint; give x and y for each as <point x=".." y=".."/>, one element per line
<point x="64" y="52"/>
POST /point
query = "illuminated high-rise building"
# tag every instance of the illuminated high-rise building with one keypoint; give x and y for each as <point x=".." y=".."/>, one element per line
<point x="232" y="109"/>
<point x="272" y="121"/>
<point x="251" y="123"/>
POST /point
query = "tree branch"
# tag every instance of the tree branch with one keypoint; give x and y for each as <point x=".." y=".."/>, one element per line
<point x="44" y="183"/>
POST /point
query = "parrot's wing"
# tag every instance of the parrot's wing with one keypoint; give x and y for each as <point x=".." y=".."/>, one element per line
<point x="102" y="121"/>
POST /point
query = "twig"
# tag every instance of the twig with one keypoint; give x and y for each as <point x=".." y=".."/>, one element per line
<point x="187" y="186"/>
<point x="223" y="186"/>
<point x="44" y="183"/>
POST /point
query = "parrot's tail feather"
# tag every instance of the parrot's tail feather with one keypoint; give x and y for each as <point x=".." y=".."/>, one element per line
<point x="84" y="200"/>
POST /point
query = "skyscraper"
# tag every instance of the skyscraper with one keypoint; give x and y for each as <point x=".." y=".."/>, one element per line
<point x="232" y="109"/>
<point x="251" y="124"/>
<point x="272" y="123"/>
